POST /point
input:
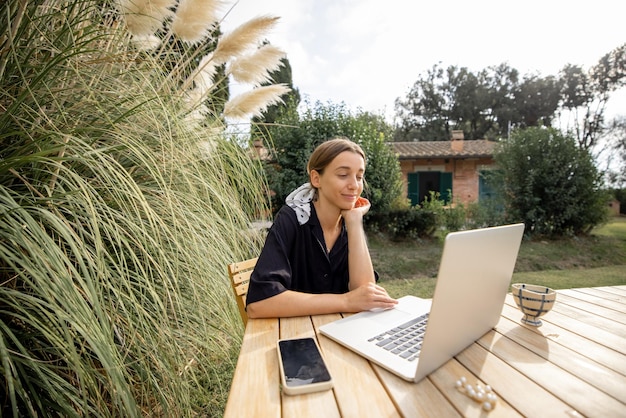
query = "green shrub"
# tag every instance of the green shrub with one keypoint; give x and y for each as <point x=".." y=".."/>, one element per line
<point x="549" y="183"/>
<point x="409" y="223"/>
<point x="485" y="213"/>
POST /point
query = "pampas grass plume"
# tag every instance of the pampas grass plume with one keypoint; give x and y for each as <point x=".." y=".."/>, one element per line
<point x="194" y="19"/>
<point x="146" y="42"/>
<point x="254" y="102"/>
<point x="202" y="77"/>
<point x="145" y="17"/>
<point x="242" y="38"/>
<point x="255" y="68"/>
<point x="193" y="98"/>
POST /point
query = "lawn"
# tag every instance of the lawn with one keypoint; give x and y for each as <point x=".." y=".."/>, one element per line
<point x="595" y="260"/>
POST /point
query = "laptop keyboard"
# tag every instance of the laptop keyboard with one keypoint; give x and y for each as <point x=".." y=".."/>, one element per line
<point x="404" y="340"/>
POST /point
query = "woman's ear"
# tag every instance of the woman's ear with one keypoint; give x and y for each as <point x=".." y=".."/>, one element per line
<point x="315" y="178"/>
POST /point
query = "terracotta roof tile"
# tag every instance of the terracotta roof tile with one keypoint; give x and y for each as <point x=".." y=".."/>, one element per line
<point x="443" y="149"/>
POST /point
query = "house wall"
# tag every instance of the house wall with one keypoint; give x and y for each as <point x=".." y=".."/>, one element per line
<point x="464" y="179"/>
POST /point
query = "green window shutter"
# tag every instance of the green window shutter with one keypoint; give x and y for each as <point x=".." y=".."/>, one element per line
<point x="413" y="188"/>
<point x="445" y="187"/>
<point x="484" y="190"/>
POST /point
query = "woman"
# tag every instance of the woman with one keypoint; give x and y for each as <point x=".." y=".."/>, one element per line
<point x="315" y="259"/>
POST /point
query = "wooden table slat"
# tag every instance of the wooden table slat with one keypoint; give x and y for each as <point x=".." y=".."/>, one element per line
<point x="416" y="399"/>
<point x="602" y="354"/>
<point x="526" y="396"/>
<point x="347" y="368"/>
<point x="307" y="404"/>
<point x="256" y="381"/>
<point x="613" y="289"/>
<point x="596" y="300"/>
<point x="604" y="296"/>
<point x="572" y="390"/>
<point x="591" y="332"/>
<point x="602" y="377"/>
<point x="445" y="380"/>
<point x="590" y="309"/>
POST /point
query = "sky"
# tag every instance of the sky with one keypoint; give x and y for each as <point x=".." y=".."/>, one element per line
<point x="367" y="53"/>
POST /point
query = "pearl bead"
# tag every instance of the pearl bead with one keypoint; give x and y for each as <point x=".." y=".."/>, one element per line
<point x="481" y="394"/>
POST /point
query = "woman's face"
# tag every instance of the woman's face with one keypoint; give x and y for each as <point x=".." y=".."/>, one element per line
<point x="342" y="180"/>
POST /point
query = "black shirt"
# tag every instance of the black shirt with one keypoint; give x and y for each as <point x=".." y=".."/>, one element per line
<point x="294" y="257"/>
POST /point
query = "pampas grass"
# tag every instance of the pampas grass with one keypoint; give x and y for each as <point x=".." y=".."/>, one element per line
<point x="192" y="23"/>
<point x="117" y="220"/>
<point x="255" y="68"/>
<point x="146" y="42"/>
<point x="145" y="17"/>
<point x="242" y="38"/>
<point x="203" y="77"/>
<point x="194" y="19"/>
<point x="254" y="102"/>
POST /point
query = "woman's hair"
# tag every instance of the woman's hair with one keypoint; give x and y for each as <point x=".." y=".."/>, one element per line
<point x="326" y="152"/>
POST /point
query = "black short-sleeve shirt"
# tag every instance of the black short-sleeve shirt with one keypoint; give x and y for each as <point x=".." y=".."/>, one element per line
<point x="294" y="257"/>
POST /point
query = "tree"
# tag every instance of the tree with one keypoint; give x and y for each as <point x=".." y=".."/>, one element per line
<point x="585" y="94"/>
<point x="537" y="100"/>
<point x="422" y="113"/>
<point x="295" y="136"/>
<point x="549" y="183"/>
<point x="484" y="104"/>
<point x="616" y="133"/>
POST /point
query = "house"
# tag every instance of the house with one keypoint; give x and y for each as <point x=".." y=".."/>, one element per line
<point x="445" y="166"/>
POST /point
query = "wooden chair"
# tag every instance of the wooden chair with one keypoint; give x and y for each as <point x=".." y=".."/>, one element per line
<point x="239" y="274"/>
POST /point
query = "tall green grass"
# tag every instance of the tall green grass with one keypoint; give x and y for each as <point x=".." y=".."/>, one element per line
<point x="115" y="228"/>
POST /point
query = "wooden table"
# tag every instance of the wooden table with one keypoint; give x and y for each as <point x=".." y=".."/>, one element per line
<point x="574" y="365"/>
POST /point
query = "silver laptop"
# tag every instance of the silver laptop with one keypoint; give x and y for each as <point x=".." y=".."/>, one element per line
<point x="474" y="276"/>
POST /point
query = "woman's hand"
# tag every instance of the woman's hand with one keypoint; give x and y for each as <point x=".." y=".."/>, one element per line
<point x="361" y="207"/>
<point x="369" y="296"/>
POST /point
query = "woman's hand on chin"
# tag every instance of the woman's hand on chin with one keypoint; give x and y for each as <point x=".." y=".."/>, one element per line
<point x="361" y="207"/>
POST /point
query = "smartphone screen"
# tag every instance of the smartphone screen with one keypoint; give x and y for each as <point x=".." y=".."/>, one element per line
<point x="302" y="364"/>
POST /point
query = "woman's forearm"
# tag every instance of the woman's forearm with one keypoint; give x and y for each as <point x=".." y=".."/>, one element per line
<point x="359" y="260"/>
<point x="291" y="303"/>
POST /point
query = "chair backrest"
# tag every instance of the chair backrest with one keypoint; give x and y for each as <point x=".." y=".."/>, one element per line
<point x="239" y="274"/>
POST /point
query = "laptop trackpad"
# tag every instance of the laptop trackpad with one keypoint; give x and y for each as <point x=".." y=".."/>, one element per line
<point x="391" y="316"/>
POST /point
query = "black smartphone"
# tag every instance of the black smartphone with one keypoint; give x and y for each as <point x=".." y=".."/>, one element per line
<point x="302" y="368"/>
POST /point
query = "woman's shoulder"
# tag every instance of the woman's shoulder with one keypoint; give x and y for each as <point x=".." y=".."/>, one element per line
<point x="286" y="215"/>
